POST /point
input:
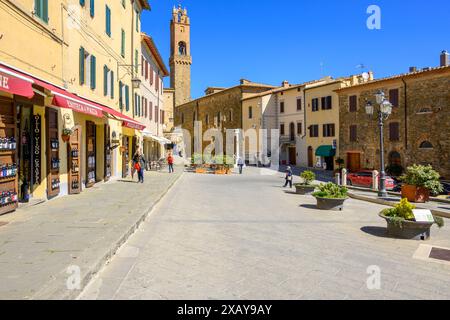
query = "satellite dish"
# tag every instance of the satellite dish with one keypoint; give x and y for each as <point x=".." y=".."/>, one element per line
<point x="365" y="76"/>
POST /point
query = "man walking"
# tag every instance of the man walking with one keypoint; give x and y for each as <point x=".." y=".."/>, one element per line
<point x="289" y="177"/>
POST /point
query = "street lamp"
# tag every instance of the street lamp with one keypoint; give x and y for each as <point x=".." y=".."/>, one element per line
<point x="384" y="112"/>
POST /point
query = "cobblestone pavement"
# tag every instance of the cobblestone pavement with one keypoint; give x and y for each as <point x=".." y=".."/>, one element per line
<point x="40" y="243"/>
<point x="245" y="237"/>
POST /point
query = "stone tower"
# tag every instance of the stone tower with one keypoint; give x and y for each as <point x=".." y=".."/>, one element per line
<point x="180" y="55"/>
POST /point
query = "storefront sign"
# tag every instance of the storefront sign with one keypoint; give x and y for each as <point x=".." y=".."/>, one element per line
<point x="133" y="125"/>
<point x="36" y="131"/>
<point x="60" y="101"/>
<point x="15" y="85"/>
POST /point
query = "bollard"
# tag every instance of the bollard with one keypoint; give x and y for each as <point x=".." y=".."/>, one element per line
<point x="375" y="180"/>
<point x="344" y="177"/>
<point x="338" y="179"/>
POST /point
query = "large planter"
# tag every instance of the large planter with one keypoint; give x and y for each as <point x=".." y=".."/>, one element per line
<point x="330" y="204"/>
<point x="305" y="189"/>
<point x="407" y="229"/>
<point x="415" y="194"/>
<point x="200" y="170"/>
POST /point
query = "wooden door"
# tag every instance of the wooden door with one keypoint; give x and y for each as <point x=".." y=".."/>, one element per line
<point x="354" y="162"/>
<point x="53" y="161"/>
<point x="310" y="157"/>
<point x="108" y="153"/>
<point x="292" y="156"/>
<point x="91" y="157"/>
<point x="74" y="161"/>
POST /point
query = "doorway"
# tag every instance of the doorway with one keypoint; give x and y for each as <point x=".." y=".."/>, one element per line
<point x="330" y="163"/>
<point x="125" y="156"/>
<point x="354" y="162"/>
<point x="292" y="156"/>
<point x="91" y="157"/>
<point x="24" y="113"/>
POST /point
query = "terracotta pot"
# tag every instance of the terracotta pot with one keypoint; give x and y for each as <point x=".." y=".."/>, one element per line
<point x="415" y="194"/>
<point x="200" y="170"/>
<point x="65" y="137"/>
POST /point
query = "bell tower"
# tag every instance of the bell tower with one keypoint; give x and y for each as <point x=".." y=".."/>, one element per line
<point x="180" y="55"/>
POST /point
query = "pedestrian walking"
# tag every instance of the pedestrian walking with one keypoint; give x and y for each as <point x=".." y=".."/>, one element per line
<point x="289" y="177"/>
<point x="139" y="165"/>
<point x="170" y="163"/>
<point x="240" y="164"/>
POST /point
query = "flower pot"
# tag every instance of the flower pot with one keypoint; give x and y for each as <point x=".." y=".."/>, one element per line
<point x="305" y="189"/>
<point x="65" y="137"/>
<point x="330" y="204"/>
<point x="407" y="229"/>
<point x="415" y="194"/>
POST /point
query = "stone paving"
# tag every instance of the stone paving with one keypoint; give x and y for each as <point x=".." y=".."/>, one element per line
<point x="245" y="237"/>
<point x="40" y="243"/>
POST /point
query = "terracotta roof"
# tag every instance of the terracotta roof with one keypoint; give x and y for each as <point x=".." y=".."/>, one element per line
<point x="154" y="50"/>
<point x="398" y="76"/>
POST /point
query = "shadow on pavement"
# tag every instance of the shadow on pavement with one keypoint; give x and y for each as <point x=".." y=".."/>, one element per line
<point x="290" y="192"/>
<point x="375" y="231"/>
<point x="309" y="206"/>
<point x="128" y="181"/>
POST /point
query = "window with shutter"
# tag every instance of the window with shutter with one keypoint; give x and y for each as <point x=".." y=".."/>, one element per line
<point x="394" y="131"/>
<point x="112" y="84"/>
<point x="81" y="63"/>
<point x="299" y="128"/>
<point x="393" y="97"/>
<point x="93" y="72"/>
<point x="353" y="133"/>
<point x="315" y="104"/>
<point x="329" y="102"/>
<point x="122" y="48"/>
<point x="299" y="104"/>
<point x="282" y="129"/>
<point x="92" y="8"/>
<point x="324" y="103"/>
<point x="150" y="110"/>
<point x="108" y="21"/>
<point x="353" y="103"/>
<point x="281" y="107"/>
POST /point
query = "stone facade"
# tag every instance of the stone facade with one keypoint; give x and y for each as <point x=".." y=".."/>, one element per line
<point x="180" y="57"/>
<point x="221" y="110"/>
<point x="419" y="124"/>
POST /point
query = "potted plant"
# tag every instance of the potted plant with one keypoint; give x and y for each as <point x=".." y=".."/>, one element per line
<point x="401" y="222"/>
<point x="66" y="133"/>
<point x="418" y="182"/>
<point x="331" y="197"/>
<point x="306" y="187"/>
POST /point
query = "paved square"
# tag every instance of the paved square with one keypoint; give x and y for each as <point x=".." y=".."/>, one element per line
<point x="245" y="237"/>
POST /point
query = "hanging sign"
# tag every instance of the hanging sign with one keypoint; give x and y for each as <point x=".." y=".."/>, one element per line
<point x="36" y="148"/>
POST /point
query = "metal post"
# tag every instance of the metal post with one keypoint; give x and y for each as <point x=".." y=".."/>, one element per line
<point x="382" y="187"/>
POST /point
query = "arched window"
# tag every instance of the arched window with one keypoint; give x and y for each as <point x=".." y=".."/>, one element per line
<point x="426" y="145"/>
<point x="182" y="48"/>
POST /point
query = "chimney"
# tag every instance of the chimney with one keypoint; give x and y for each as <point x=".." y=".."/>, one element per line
<point x="412" y="69"/>
<point x="445" y="59"/>
<point x="285" y="84"/>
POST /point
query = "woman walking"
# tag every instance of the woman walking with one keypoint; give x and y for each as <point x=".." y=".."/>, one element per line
<point x="139" y="165"/>
<point x="170" y="163"/>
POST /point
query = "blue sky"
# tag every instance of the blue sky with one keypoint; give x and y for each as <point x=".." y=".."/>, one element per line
<point x="270" y="41"/>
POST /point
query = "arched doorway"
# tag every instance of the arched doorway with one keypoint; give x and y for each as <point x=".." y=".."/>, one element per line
<point x="310" y="157"/>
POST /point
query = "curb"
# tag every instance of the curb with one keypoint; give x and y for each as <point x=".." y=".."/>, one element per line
<point x="89" y="274"/>
<point x="435" y="212"/>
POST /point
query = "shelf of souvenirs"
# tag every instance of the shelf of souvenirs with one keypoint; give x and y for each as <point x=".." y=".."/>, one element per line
<point x="8" y="197"/>
<point x="8" y="172"/>
<point x="8" y="144"/>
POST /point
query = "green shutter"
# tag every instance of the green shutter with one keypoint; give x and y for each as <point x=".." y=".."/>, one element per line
<point x="108" y="21"/>
<point x="81" y="66"/>
<point x="127" y="97"/>
<point x="120" y="95"/>
<point x="123" y="43"/>
<point x="45" y="10"/>
<point x="105" y="80"/>
<point x="112" y="85"/>
<point x="82" y="3"/>
<point x="37" y="8"/>
<point x="93" y="72"/>
<point x="92" y="8"/>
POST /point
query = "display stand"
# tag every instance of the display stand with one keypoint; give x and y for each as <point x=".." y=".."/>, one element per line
<point x="53" y="161"/>
<point x="74" y="161"/>
<point x="90" y="154"/>
<point x="8" y="157"/>
<point x="108" y="153"/>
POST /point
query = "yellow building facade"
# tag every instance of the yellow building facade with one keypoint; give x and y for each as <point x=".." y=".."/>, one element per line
<point x="70" y="66"/>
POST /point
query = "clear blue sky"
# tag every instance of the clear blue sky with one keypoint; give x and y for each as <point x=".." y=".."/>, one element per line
<point x="270" y="41"/>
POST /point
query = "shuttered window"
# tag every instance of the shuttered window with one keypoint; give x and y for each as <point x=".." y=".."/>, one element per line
<point x="329" y="130"/>
<point x="281" y="107"/>
<point x="314" y="131"/>
<point x="299" y="104"/>
<point x="127" y="98"/>
<point x="41" y="9"/>
<point x="326" y="103"/>
<point x="92" y="8"/>
<point x="394" y="131"/>
<point x="81" y="66"/>
<point x="353" y="133"/>
<point x="315" y="104"/>
<point x="393" y="97"/>
<point x="122" y="48"/>
<point x="150" y="110"/>
<point x="353" y="103"/>
<point x="121" y="95"/>
<point x="93" y="72"/>
<point x="299" y="128"/>
<point x="282" y="132"/>
<point x="108" y="21"/>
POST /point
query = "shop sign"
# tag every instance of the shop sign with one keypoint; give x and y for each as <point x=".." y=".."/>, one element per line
<point x="36" y="132"/>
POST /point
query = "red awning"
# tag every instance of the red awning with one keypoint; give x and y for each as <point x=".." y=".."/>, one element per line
<point x="22" y="85"/>
<point x="15" y="83"/>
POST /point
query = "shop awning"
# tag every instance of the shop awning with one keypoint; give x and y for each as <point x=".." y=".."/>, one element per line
<point x="126" y="121"/>
<point x="15" y="83"/>
<point x="161" y="140"/>
<point x="325" y="151"/>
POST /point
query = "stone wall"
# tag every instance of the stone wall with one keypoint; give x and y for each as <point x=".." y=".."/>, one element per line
<point x="424" y="117"/>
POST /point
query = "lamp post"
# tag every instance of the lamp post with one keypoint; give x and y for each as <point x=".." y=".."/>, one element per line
<point x="385" y="110"/>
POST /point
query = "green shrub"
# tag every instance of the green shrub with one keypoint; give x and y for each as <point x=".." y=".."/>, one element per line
<point x="404" y="211"/>
<point x="308" y="177"/>
<point x="331" y="191"/>
<point x="423" y="176"/>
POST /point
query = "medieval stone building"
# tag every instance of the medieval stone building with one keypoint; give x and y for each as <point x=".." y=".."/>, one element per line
<point x="415" y="133"/>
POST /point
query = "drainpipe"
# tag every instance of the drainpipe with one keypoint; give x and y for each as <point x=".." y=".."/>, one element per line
<point x="406" y="113"/>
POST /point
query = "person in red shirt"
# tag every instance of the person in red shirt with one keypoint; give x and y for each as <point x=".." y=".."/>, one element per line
<point x="170" y="162"/>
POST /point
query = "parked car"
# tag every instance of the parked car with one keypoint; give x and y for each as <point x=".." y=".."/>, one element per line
<point x="364" y="179"/>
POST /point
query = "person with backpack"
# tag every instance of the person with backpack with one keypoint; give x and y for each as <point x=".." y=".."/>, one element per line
<point x="139" y="165"/>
